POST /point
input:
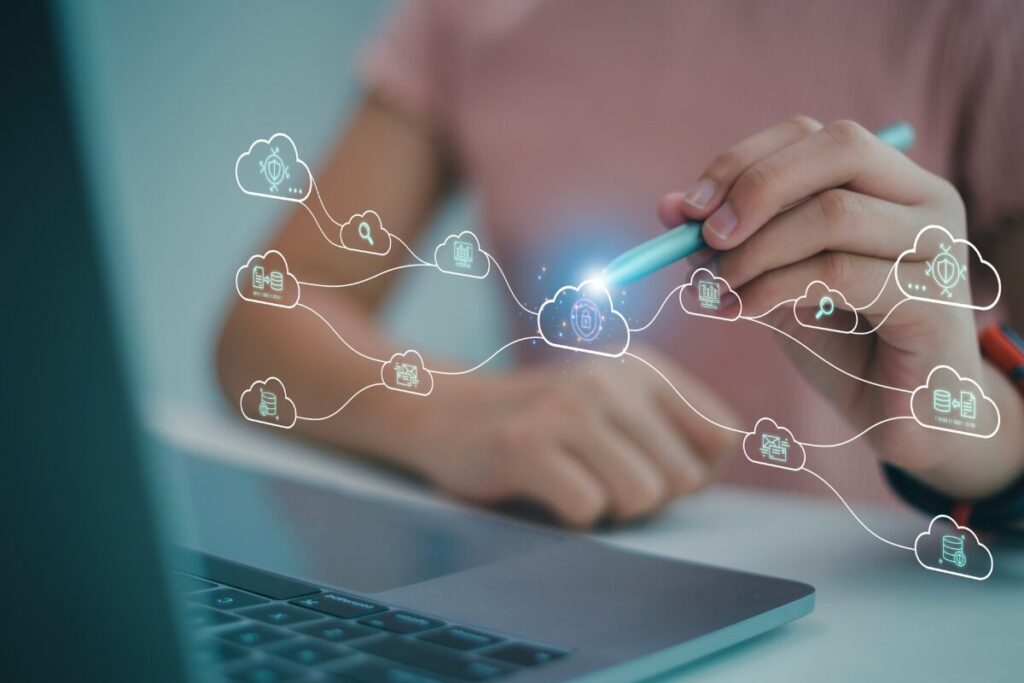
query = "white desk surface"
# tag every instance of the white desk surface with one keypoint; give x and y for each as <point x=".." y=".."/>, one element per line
<point x="879" y="615"/>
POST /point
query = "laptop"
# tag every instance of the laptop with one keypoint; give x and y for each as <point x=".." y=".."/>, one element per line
<point x="279" y="579"/>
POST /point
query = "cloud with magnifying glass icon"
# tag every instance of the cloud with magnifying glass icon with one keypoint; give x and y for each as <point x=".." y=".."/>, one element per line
<point x="365" y="233"/>
<point x="825" y="308"/>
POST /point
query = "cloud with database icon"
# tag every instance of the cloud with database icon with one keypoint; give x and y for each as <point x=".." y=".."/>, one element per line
<point x="405" y="372"/>
<point x="461" y="255"/>
<point x="710" y="296"/>
<point x="936" y="268"/>
<point x="772" y="445"/>
<point x="265" y="279"/>
<point x="951" y="403"/>
<point x="583" y="319"/>
<point x="267" y="402"/>
<point x="272" y="168"/>
<point x="949" y="548"/>
<point x="364" y="232"/>
<point x="824" y="308"/>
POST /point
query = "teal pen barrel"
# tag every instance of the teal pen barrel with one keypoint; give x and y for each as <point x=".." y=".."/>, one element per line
<point x="683" y="240"/>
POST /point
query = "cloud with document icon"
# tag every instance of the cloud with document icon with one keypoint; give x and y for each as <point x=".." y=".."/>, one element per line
<point x="773" y="445"/>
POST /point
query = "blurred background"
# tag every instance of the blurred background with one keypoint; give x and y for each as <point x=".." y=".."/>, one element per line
<point x="168" y="107"/>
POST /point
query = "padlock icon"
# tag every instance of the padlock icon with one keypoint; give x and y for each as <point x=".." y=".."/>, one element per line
<point x="586" y="320"/>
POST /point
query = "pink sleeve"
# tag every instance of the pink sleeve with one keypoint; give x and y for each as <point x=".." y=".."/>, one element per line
<point x="991" y="144"/>
<point x="410" y="63"/>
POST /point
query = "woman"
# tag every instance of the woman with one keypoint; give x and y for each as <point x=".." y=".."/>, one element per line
<point x="574" y="124"/>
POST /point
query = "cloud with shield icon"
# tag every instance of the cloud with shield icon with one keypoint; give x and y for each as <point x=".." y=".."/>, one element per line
<point x="936" y="268"/>
<point x="272" y="168"/>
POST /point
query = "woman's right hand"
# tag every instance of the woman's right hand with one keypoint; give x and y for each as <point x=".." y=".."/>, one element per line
<point x="599" y="438"/>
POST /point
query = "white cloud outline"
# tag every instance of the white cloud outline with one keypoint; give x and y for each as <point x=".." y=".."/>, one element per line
<point x="991" y="560"/>
<point x="362" y="216"/>
<point x="284" y="391"/>
<point x="611" y="310"/>
<point x="767" y="463"/>
<point x="954" y="240"/>
<point x="298" y="160"/>
<point x="831" y="290"/>
<point x="693" y="279"/>
<point x="288" y="273"/>
<point x="960" y="378"/>
<point x="476" y="241"/>
<point x="403" y="354"/>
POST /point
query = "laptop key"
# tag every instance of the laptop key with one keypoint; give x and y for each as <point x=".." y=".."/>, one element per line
<point x="524" y="654"/>
<point x="279" y="615"/>
<point x="381" y="671"/>
<point x="339" y="605"/>
<point x="215" y="652"/>
<point x="243" y="576"/>
<point x="401" y="622"/>
<point x="226" y="598"/>
<point x="461" y="638"/>
<point x="442" y="660"/>
<point x="336" y="630"/>
<point x="183" y="583"/>
<point x="266" y="672"/>
<point x="253" y="635"/>
<point x="309" y="652"/>
<point x="197" y="616"/>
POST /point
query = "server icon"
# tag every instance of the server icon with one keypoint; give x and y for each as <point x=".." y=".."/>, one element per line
<point x="953" y="551"/>
<point x="268" y="404"/>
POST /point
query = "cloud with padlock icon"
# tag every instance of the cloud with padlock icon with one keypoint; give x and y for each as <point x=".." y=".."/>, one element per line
<point x="583" y="318"/>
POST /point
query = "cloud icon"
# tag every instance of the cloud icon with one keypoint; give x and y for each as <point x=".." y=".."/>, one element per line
<point x="272" y="168"/>
<point x="364" y="232"/>
<point x="583" y="319"/>
<point x="265" y="279"/>
<point x="461" y="255"/>
<point x="774" y="446"/>
<point x="405" y="372"/>
<point x="267" y="402"/>
<point x="936" y="268"/>
<point x="951" y="403"/>
<point x="824" y="308"/>
<point x="950" y="548"/>
<point x="709" y="296"/>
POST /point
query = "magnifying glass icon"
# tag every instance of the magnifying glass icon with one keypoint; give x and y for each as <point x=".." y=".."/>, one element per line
<point x="364" y="232"/>
<point x="826" y="307"/>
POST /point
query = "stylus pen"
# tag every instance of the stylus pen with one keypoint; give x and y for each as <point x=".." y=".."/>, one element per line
<point x="686" y="239"/>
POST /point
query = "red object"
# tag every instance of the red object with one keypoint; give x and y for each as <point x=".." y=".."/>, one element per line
<point x="1004" y="348"/>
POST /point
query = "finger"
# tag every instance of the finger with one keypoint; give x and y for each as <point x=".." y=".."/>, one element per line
<point x="862" y="280"/>
<point x="833" y="220"/>
<point x="634" y="484"/>
<point x="707" y="193"/>
<point x="840" y="154"/>
<point x="557" y="480"/>
<point x="669" y="448"/>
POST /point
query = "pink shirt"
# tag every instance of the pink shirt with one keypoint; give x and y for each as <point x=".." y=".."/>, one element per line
<point x="571" y="119"/>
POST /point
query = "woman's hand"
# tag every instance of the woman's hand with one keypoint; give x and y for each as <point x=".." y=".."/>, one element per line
<point x="592" y="439"/>
<point x="800" y="202"/>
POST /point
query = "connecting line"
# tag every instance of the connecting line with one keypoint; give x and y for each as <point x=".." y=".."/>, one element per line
<point x="320" y="227"/>
<point x="322" y="205"/>
<point x="861" y="522"/>
<point x="854" y="438"/>
<point x="770" y="310"/>
<point x="486" y="360"/>
<point x="331" y="327"/>
<point x="510" y="290"/>
<point x="342" y="407"/>
<point x="372" y="277"/>
<point x="690" y="405"/>
<point x="882" y="321"/>
<point x="409" y="249"/>
<point x="879" y="295"/>
<point x="830" y="363"/>
<point x="658" y="312"/>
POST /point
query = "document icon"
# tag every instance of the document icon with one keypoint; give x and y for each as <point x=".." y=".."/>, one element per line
<point x="774" y="447"/>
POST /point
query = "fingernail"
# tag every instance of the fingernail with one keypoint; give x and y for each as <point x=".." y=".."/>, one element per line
<point x="722" y="222"/>
<point x="700" y="194"/>
<point x="728" y="301"/>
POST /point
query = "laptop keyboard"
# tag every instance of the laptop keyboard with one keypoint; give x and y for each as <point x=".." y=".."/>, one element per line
<point x="259" y="627"/>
